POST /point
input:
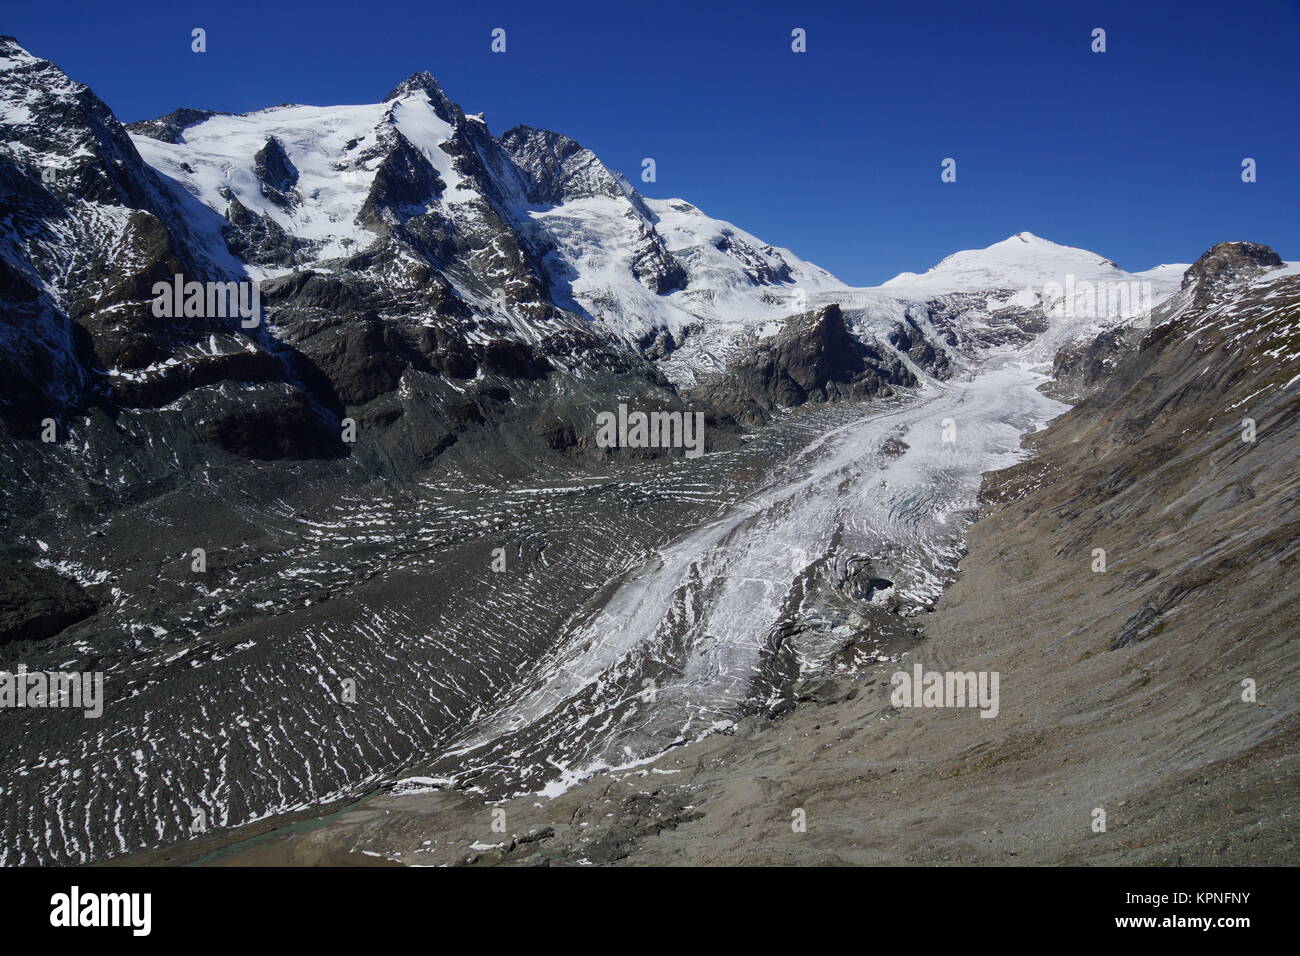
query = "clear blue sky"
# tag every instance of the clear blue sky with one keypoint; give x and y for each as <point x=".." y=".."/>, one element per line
<point x="835" y="153"/>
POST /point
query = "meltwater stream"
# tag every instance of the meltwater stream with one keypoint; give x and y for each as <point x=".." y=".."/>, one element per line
<point x="680" y="645"/>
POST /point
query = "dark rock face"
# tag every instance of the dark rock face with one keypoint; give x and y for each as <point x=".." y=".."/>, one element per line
<point x="1227" y="263"/>
<point x="657" y="344"/>
<point x="997" y="327"/>
<point x="281" y="423"/>
<point x="259" y="240"/>
<point x="277" y="173"/>
<point x="654" y="265"/>
<point x="96" y="159"/>
<point x="36" y="603"/>
<point x="90" y="338"/>
<point x="1081" y="368"/>
<point x="555" y="169"/>
<point x="171" y="128"/>
<point x="813" y="359"/>
<point x="908" y="337"/>
<point x="759" y="270"/>
<point x="404" y="185"/>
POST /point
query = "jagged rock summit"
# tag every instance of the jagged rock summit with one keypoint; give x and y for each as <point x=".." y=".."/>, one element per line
<point x="1228" y="263"/>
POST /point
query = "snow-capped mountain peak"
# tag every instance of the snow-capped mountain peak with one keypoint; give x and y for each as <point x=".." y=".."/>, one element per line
<point x="1019" y="261"/>
<point x="659" y="275"/>
<point x="422" y="217"/>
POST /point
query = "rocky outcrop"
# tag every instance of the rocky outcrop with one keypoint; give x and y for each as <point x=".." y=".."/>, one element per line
<point x="404" y="186"/>
<point x="762" y="266"/>
<point x="171" y="128"/>
<point x="909" y="338"/>
<point x="424" y="82"/>
<point x="814" y="358"/>
<point x="94" y="228"/>
<point x="272" y="166"/>
<point x="1225" y="265"/>
<point x="994" y="325"/>
<point x="556" y="169"/>
<point x="36" y="603"/>
<point x="1080" y="368"/>
<point x="260" y="240"/>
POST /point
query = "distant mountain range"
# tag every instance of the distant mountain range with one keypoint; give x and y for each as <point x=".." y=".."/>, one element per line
<point x="408" y="260"/>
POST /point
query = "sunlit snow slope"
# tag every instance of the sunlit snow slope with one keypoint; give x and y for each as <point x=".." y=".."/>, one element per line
<point x="657" y="274"/>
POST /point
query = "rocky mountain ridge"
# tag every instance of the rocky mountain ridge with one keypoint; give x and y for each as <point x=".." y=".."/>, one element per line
<point x="418" y="276"/>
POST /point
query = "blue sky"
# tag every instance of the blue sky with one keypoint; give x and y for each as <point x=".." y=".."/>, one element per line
<point x="1135" y="153"/>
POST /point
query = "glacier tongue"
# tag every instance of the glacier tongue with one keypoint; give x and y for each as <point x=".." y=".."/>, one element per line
<point x="686" y="643"/>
